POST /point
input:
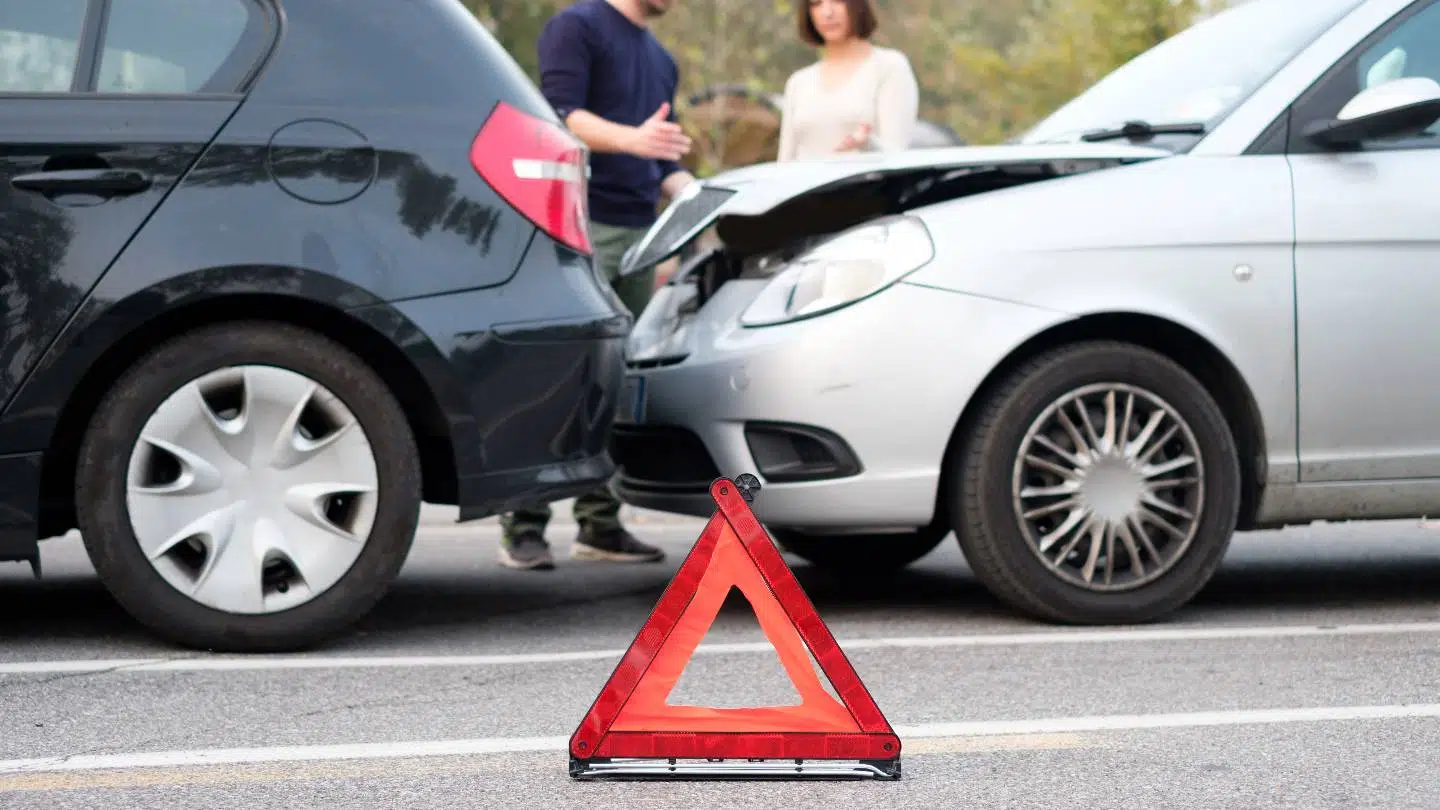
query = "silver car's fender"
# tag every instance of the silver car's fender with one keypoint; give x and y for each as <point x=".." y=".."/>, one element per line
<point x="1202" y="243"/>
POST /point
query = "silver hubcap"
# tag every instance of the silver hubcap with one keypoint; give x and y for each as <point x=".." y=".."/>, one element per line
<point x="252" y="489"/>
<point x="1109" y="487"/>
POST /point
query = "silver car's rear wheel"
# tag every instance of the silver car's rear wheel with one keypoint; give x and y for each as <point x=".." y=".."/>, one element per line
<point x="252" y="489"/>
<point x="1109" y="486"/>
<point x="1096" y="483"/>
<point x="248" y="487"/>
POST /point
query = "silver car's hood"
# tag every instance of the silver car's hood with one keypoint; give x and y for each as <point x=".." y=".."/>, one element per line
<point x="756" y="190"/>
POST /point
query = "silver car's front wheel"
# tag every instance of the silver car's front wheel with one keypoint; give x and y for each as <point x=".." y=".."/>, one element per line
<point x="248" y="487"/>
<point x="1109" y="487"/>
<point x="1096" y="483"/>
<point x="252" y="489"/>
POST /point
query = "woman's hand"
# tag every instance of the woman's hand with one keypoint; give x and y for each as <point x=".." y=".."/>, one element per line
<point x="855" y="140"/>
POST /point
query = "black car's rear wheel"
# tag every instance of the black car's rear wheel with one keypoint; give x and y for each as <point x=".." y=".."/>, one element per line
<point x="851" y="553"/>
<point x="247" y="487"/>
<point x="1099" y="484"/>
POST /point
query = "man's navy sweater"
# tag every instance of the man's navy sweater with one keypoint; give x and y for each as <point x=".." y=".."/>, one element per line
<point x="594" y="58"/>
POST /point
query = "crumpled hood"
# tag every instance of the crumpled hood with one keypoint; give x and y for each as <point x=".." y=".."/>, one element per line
<point x="756" y="190"/>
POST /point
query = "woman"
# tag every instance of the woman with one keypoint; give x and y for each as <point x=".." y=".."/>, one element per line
<point x="857" y="97"/>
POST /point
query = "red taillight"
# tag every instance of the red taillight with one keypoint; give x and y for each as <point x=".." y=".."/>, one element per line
<point x="537" y="167"/>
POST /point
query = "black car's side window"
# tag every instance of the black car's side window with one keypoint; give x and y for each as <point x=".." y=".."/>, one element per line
<point x="176" y="46"/>
<point x="40" y="45"/>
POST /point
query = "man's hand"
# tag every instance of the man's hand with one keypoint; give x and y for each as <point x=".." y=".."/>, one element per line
<point x="658" y="138"/>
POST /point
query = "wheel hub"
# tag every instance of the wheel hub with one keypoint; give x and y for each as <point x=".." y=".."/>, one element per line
<point x="1108" y="487"/>
<point x="252" y="490"/>
<point x="1111" y="488"/>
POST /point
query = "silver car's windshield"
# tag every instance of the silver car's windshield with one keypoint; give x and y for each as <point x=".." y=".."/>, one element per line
<point x="1199" y="75"/>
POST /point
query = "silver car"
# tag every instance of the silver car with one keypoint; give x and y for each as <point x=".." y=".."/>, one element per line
<point x="1201" y="296"/>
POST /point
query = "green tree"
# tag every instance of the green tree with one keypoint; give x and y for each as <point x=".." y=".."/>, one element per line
<point x="517" y="24"/>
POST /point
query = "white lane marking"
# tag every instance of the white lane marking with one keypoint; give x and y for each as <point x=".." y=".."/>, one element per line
<point x="1135" y="722"/>
<point x="296" y="753"/>
<point x="451" y="748"/>
<point x="280" y="662"/>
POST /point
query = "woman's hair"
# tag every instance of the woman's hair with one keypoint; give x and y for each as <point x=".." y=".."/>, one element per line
<point x="862" y="21"/>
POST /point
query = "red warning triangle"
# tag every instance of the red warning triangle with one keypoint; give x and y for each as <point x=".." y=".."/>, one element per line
<point x="631" y="718"/>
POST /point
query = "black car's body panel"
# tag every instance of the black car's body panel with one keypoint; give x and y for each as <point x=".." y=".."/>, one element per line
<point x="57" y="245"/>
<point x="126" y="310"/>
<point x="539" y="383"/>
<point x="407" y="55"/>
<point x="332" y="189"/>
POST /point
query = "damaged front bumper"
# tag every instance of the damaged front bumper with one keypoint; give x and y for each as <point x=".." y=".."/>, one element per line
<point x="843" y="417"/>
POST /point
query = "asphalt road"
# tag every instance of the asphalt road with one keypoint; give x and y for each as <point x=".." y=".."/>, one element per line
<point x="1306" y="676"/>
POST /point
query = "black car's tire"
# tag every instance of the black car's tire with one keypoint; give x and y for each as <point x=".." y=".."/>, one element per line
<point x="381" y="513"/>
<point x="1001" y="545"/>
<point x="851" y="554"/>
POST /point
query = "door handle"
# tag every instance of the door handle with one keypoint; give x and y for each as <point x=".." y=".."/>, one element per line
<point x="107" y="182"/>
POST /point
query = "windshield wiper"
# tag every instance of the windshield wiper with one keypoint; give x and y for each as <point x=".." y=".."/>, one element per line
<point x="1144" y="130"/>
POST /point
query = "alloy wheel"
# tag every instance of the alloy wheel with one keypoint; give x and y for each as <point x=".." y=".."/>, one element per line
<point x="1108" y="487"/>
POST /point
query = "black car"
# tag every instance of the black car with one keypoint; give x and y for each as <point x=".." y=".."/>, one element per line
<point x="273" y="273"/>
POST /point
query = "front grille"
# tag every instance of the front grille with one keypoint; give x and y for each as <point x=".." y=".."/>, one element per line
<point x="677" y="221"/>
<point x="662" y="458"/>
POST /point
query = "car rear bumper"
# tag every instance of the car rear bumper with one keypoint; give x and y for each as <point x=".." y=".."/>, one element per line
<point x="527" y="376"/>
<point x="543" y="406"/>
<point x="497" y="493"/>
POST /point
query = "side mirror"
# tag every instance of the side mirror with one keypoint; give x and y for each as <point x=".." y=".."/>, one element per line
<point x="1396" y="109"/>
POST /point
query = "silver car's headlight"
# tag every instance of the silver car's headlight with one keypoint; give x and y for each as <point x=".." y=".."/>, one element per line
<point x="847" y="268"/>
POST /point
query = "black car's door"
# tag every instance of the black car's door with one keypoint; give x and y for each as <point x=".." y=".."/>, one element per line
<point x="104" y="104"/>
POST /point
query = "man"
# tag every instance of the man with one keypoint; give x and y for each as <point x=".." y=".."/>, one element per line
<point x="614" y="85"/>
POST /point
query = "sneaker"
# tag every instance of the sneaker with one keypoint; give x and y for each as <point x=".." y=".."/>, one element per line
<point x="613" y="545"/>
<point x="527" y="551"/>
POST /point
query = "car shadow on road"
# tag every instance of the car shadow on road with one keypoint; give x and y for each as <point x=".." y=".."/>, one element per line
<point x="1258" y="583"/>
<point x="69" y="609"/>
<point x="1355" y="580"/>
<point x="1330" y="584"/>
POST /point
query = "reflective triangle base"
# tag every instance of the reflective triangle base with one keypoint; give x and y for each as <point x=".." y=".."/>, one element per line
<point x="722" y="769"/>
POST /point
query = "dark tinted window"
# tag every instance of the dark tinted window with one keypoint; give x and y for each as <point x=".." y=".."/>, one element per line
<point x="173" y="46"/>
<point x="39" y="44"/>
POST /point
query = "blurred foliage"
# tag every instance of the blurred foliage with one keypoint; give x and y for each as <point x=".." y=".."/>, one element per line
<point x="987" y="68"/>
<point x="997" y="92"/>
